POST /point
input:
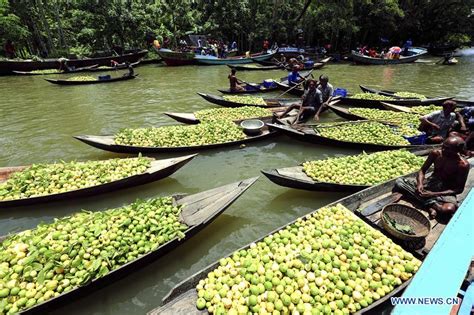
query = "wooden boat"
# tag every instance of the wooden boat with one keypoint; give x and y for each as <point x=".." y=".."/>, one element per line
<point x="198" y="211"/>
<point x="295" y="177"/>
<point x="283" y="86"/>
<point x="71" y="82"/>
<point x="8" y="66"/>
<point x="308" y="134"/>
<point x="270" y="102"/>
<point x="345" y="113"/>
<point x="255" y="67"/>
<point x="414" y="54"/>
<point x="107" y="143"/>
<point x="366" y="204"/>
<point x="250" y="89"/>
<point x="83" y="69"/>
<point x="356" y="102"/>
<point x="176" y="58"/>
<point x="212" y="60"/>
<point x="396" y="108"/>
<point x="117" y="67"/>
<point x="190" y="118"/>
<point x="317" y="65"/>
<point x="256" y="87"/>
<point x="460" y="103"/>
<point x="158" y="169"/>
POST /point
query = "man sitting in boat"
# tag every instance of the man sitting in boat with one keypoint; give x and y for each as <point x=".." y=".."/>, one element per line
<point x="130" y="70"/>
<point x="294" y="77"/>
<point x="438" y="192"/>
<point x="438" y="124"/>
<point x="327" y="91"/>
<point x="234" y="82"/>
<point x="311" y="103"/>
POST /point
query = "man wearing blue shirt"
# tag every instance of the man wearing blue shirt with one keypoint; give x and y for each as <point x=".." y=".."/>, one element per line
<point x="294" y="77"/>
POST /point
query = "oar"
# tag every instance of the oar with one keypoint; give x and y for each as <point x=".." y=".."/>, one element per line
<point x="295" y="85"/>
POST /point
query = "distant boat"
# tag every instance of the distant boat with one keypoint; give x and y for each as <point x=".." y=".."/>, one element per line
<point x="176" y="58"/>
<point x="413" y="54"/>
<point x="97" y="81"/>
<point x="212" y="60"/>
<point x="10" y="65"/>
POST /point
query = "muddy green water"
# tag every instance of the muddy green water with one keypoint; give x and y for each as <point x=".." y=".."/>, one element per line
<point x="38" y="121"/>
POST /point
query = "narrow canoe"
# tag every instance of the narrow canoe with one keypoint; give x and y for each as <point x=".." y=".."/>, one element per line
<point x="190" y="118"/>
<point x="211" y="60"/>
<point x="315" y="66"/>
<point x="345" y="113"/>
<point x="396" y="108"/>
<point x="71" y="82"/>
<point x="198" y="211"/>
<point x="356" y="102"/>
<point x="272" y="63"/>
<point x="83" y="69"/>
<point x="270" y="102"/>
<point x="460" y="103"/>
<point x="107" y="143"/>
<point x="306" y="133"/>
<point x="415" y="54"/>
<point x="254" y="67"/>
<point x="366" y="204"/>
<point x="8" y="66"/>
<point x="176" y="58"/>
<point x="296" y="91"/>
<point x="295" y="177"/>
<point x="118" y="67"/>
<point x="252" y="89"/>
<point x="158" y="169"/>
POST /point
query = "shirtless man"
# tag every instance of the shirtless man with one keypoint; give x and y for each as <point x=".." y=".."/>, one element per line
<point x="234" y="82"/>
<point x="438" y="192"/>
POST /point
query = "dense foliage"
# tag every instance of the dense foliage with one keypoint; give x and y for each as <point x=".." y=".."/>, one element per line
<point x="56" y="28"/>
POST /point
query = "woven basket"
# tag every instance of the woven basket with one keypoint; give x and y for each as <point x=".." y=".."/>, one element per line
<point x="408" y="216"/>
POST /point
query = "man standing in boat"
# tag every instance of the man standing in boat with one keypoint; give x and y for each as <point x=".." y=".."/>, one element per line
<point x="234" y="82"/>
<point x="310" y="103"/>
<point x="438" y="124"/>
<point x="438" y="192"/>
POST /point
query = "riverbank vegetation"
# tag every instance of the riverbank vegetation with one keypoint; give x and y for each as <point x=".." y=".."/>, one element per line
<point x="57" y="28"/>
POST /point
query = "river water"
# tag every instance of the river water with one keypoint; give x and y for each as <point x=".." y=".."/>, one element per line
<point x="38" y="121"/>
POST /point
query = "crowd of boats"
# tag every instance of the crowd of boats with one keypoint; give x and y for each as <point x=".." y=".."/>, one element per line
<point x="367" y="201"/>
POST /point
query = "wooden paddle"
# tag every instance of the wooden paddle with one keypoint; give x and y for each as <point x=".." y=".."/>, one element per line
<point x="294" y="86"/>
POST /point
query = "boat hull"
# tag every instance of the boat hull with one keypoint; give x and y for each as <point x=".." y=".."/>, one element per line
<point x="68" y="82"/>
<point x="175" y="58"/>
<point x="366" y="60"/>
<point x="8" y="66"/>
<point x="182" y="298"/>
<point x="209" y="60"/>
<point x="311" y="136"/>
<point x="304" y="182"/>
<point x="209" y="204"/>
<point x="159" y="170"/>
<point x="107" y="143"/>
<point x="269" y="102"/>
